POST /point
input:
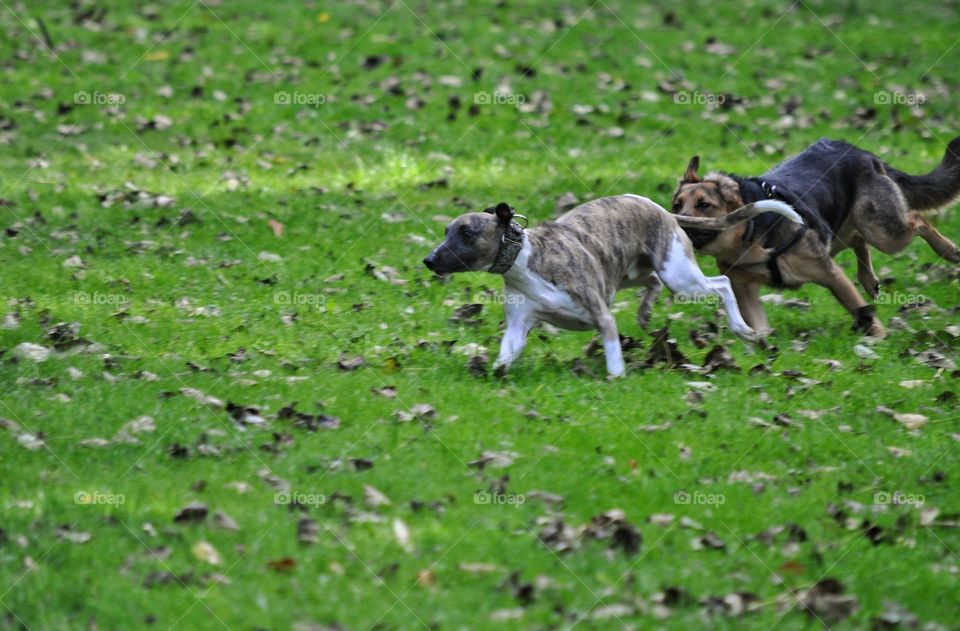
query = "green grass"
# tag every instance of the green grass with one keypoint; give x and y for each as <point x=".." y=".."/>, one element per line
<point x="348" y="179"/>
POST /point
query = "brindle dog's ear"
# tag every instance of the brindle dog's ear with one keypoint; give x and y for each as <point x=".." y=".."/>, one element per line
<point x="504" y="212"/>
<point x="491" y="210"/>
<point x="690" y="175"/>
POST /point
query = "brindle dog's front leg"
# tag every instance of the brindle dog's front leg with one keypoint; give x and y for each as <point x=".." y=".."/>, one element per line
<point x="611" y="344"/>
<point x="520" y="319"/>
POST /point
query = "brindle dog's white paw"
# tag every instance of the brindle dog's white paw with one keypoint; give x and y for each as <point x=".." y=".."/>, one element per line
<point x="763" y="333"/>
<point x="615" y="376"/>
<point x="746" y="334"/>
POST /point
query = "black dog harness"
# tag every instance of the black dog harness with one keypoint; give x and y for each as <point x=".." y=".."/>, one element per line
<point x="773" y="263"/>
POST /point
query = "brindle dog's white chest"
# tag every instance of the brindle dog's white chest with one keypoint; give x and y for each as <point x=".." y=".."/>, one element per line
<point x="529" y="292"/>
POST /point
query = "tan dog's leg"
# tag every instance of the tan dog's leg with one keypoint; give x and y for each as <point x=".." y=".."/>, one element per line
<point x="868" y="279"/>
<point x="882" y="217"/>
<point x="880" y="214"/>
<point x="944" y="247"/>
<point x="748" y="297"/>
<point x="832" y="277"/>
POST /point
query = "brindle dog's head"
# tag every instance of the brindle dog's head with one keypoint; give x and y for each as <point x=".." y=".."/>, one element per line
<point x="712" y="196"/>
<point x="471" y="241"/>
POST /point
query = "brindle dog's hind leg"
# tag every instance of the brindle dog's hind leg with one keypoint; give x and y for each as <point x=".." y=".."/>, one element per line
<point x="648" y="299"/>
<point x="724" y="290"/>
<point x="681" y="274"/>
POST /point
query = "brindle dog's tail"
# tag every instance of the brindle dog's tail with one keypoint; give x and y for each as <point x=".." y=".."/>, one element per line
<point x="744" y="213"/>
<point x="936" y="188"/>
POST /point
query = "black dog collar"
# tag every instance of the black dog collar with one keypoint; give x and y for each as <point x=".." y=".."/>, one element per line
<point x="770" y="190"/>
<point x="510" y="245"/>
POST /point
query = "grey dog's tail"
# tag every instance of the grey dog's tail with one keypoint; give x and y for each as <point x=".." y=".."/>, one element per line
<point x="744" y="213"/>
<point x="934" y="189"/>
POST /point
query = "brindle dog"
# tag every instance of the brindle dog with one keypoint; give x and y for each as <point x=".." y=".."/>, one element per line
<point x="567" y="272"/>
<point x="847" y="197"/>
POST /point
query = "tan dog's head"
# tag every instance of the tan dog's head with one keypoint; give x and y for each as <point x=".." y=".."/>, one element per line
<point x="711" y="196"/>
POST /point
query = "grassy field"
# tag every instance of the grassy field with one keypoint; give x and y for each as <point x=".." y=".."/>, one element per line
<point x="256" y="408"/>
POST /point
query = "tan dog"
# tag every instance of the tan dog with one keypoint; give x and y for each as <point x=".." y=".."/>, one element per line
<point x="847" y="196"/>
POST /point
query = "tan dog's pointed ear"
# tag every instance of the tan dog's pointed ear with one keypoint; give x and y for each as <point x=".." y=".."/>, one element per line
<point x="690" y="175"/>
